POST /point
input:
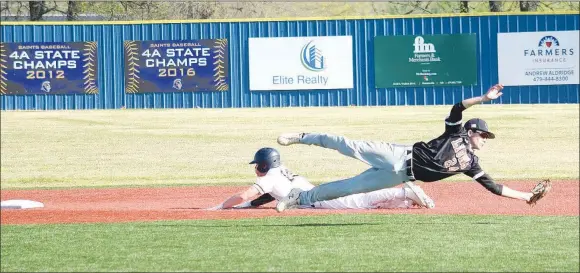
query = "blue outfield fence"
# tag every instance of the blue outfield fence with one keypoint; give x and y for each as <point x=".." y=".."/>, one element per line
<point x="111" y="83"/>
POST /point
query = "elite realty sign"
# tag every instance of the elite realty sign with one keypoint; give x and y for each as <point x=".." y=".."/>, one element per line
<point x="299" y="63"/>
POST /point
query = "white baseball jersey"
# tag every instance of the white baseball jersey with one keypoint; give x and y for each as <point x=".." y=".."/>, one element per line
<point x="278" y="182"/>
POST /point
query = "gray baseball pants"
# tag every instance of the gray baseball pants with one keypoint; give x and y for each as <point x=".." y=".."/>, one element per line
<point x="387" y="161"/>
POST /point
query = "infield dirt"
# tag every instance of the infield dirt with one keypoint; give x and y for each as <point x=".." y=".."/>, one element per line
<point x="178" y="203"/>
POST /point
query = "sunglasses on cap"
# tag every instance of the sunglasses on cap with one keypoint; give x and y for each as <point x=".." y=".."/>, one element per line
<point x="482" y="133"/>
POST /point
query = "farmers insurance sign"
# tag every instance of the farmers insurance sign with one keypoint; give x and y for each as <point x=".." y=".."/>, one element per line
<point x="538" y="58"/>
<point x="301" y="63"/>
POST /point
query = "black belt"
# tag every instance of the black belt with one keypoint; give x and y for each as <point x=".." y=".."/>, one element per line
<point x="409" y="160"/>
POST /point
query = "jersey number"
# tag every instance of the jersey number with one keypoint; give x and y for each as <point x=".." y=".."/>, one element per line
<point x="461" y="155"/>
<point x="288" y="174"/>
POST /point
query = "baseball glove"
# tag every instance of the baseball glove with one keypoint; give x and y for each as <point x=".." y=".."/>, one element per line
<point x="539" y="191"/>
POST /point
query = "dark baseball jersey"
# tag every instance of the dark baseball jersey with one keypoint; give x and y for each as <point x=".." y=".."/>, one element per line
<point x="450" y="154"/>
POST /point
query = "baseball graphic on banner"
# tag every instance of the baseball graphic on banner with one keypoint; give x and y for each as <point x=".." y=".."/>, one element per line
<point x="49" y="68"/>
<point x="176" y="66"/>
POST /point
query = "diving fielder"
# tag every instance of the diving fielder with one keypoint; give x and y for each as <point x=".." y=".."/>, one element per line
<point x="453" y="152"/>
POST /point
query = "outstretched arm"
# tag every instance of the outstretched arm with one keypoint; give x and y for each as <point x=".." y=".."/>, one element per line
<point x="507" y="192"/>
<point x="248" y="194"/>
<point x="493" y="93"/>
<point x="487" y="182"/>
<point x="453" y="121"/>
<point x="262" y="200"/>
<point x="503" y="190"/>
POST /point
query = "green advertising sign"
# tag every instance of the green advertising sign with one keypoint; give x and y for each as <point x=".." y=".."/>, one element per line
<point x="425" y="60"/>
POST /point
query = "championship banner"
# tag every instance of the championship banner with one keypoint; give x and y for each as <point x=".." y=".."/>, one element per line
<point x="48" y="68"/>
<point x="176" y="66"/>
<point x="538" y="58"/>
<point x="301" y="63"/>
<point x="425" y="60"/>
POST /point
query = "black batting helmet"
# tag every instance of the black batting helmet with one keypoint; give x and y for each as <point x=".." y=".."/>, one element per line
<point x="266" y="158"/>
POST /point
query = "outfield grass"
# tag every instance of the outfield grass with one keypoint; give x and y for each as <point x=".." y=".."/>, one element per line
<point x="318" y="243"/>
<point x="213" y="146"/>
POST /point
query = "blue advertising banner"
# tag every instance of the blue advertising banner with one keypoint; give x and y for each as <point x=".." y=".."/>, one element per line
<point x="48" y="68"/>
<point x="176" y="66"/>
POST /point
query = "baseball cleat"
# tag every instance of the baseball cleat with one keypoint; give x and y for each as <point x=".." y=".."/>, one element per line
<point x="418" y="196"/>
<point x="290" y="201"/>
<point x="289" y="138"/>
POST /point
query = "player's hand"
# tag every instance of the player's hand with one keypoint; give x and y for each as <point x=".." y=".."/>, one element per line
<point x="494" y="92"/>
<point x="218" y="207"/>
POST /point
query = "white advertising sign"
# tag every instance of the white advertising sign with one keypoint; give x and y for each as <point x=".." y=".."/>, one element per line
<point x="301" y="63"/>
<point x="538" y="58"/>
